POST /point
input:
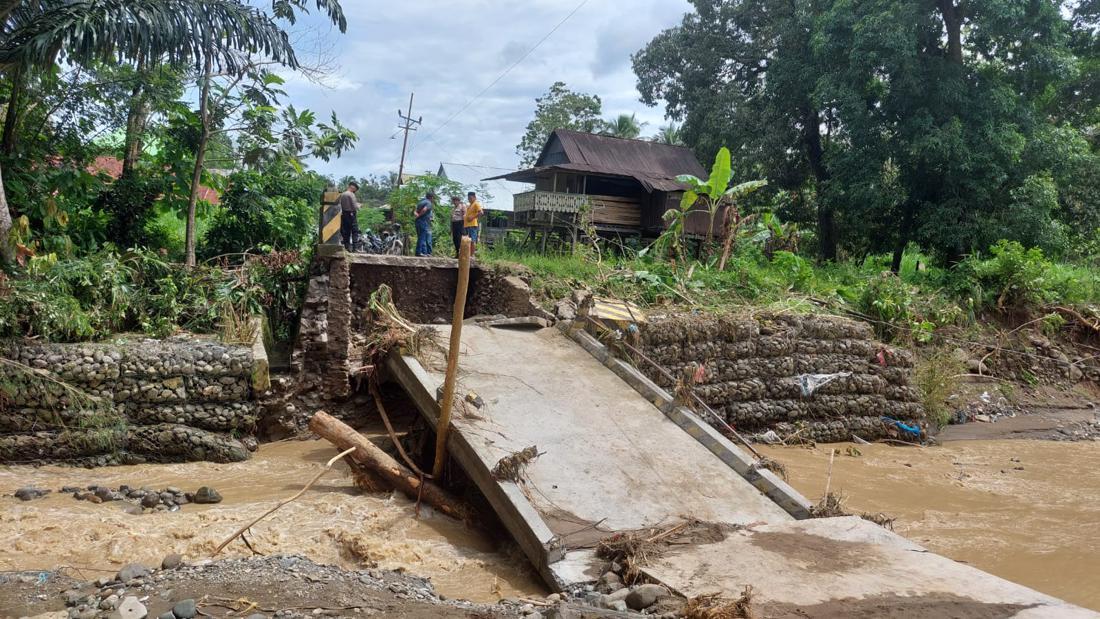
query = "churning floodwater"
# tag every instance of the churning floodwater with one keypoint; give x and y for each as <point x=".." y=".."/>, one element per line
<point x="1023" y="510"/>
<point x="332" y="523"/>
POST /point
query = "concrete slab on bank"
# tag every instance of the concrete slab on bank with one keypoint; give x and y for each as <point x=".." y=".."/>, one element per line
<point x="847" y="567"/>
<point x="609" y="459"/>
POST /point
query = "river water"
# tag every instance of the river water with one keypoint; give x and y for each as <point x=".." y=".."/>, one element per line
<point x="1028" y="511"/>
<point x="968" y="500"/>
<point x="332" y="523"/>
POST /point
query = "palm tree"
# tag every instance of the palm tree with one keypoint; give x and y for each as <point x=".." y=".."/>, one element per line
<point x="205" y="33"/>
<point x="669" y="134"/>
<point x="623" y="126"/>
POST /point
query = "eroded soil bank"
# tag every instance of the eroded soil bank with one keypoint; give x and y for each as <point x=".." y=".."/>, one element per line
<point x="334" y="523"/>
<point x="1023" y="510"/>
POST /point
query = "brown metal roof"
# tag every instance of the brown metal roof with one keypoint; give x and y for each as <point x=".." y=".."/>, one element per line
<point x="652" y="164"/>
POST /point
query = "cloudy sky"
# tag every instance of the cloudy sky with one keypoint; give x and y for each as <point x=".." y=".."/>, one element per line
<point x="448" y="51"/>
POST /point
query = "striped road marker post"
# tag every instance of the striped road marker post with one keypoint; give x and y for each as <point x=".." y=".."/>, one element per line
<point x="330" y="219"/>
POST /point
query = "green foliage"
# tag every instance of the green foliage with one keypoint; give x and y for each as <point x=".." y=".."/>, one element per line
<point x="404" y="199"/>
<point x="262" y="212"/>
<point x="128" y="203"/>
<point x="559" y="108"/>
<point x="1015" y="278"/>
<point x="953" y="124"/>
<point x="75" y="299"/>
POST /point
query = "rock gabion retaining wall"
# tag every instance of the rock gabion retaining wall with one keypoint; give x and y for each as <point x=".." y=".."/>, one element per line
<point x="133" y="401"/>
<point x="822" y="378"/>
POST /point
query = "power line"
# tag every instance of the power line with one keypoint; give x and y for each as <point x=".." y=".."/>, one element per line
<point x="509" y="69"/>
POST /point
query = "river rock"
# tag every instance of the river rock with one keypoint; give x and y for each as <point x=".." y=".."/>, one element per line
<point x="206" y="495"/>
<point x="171" y="561"/>
<point x="132" y="571"/>
<point x="150" y="501"/>
<point x="30" y="493"/>
<point x="167" y="615"/>
<point x="130" y="608"/>
<point x="610" y="582"/>
<point x="109" y="602"/>
<point x="185" y="609"/>
<point x="645" y="596"/>
<point x="73" y="597"/>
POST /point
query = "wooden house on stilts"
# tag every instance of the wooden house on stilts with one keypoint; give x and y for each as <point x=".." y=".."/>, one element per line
<point x="617" y="187"/>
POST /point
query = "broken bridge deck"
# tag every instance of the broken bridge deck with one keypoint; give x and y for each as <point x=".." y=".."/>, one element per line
<point x="611" y="461"/>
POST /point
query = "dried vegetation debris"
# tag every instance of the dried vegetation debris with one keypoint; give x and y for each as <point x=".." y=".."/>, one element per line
<point x="512" y="466"/>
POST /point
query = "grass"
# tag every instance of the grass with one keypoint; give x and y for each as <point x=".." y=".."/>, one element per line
<point x="936" y="375"/>
<point x="912" y="307"/>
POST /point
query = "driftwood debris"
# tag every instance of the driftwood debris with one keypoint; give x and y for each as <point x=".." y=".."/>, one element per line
<point x="381" y="465"/>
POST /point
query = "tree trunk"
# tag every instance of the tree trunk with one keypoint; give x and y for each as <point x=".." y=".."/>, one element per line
<point x="136" y="118"/>
<point x="905" y="232"/>
<point x="11" y="118"/>
<point x="815" y="156"/>
<point x="383" y="466"/>
<point x="7" y="248"/>
<point x="953" y="16"/>
<point x="200" y="156"/>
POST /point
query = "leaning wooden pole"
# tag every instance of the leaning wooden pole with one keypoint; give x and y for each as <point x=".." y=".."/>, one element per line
<point x="452" y="358"/>
<point x="380" y="463"/>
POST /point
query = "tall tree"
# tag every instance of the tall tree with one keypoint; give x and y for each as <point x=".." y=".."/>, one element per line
<point x="743" y="73"/>
<point x="559" y="108"/>
<point x="623" y="126"/>
<point x="206" y="32"/>
<point x="946" y="94"/>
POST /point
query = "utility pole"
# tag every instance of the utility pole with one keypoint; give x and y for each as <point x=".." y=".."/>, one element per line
<point x="407" y="124"/>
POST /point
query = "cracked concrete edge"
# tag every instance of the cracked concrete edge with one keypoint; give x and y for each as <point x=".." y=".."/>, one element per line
<point x="519" y="516"/>
<point x="767" y="482"/>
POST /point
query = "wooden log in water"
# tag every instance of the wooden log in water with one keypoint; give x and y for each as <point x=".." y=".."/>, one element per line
<point x="381" y="465"/>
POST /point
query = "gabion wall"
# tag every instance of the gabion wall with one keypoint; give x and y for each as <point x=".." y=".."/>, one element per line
<point x="765" y="372"/>
<point x="134" y="401"/>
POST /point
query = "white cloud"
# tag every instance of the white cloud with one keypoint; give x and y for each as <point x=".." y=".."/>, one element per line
<point x="447" y="52"/>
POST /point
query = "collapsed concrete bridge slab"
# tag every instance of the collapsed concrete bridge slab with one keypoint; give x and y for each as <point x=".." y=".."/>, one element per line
<point x="617" y="454"/>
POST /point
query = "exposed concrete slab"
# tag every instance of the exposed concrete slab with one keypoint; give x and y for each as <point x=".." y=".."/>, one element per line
<point x="610" y="460"/>
<point x="847" y="567"/>
<point x="738" y="459"/>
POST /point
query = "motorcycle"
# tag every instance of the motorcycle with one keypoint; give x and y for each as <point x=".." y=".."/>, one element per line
<point x="388" y="244"/>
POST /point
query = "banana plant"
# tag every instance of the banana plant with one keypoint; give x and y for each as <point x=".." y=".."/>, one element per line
<point x="714" y="193"/>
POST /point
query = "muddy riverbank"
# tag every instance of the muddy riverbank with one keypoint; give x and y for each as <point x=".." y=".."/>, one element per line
<point x="334" y="523"/>
<point x="1023" y="510"/>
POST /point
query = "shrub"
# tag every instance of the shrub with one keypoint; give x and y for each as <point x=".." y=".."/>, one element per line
<point x="261" y="213"/>
<point x="937" y="377"/>
<point x="1013" y="278"/>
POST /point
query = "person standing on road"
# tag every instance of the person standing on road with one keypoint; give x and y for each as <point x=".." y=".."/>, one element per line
<point x="349" y="216"/>
<point x="473" y="211"/>
<point x="458" y="221"/>
<point x="424" y="210"/>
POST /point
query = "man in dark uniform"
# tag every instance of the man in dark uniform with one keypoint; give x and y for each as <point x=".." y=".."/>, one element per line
<point x="349" y="216"/>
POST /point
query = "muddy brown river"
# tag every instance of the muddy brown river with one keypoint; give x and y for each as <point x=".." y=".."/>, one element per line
<point x="332" y="523"/>
<point x="1023" y="510"/>
<point x="1028" y="511"/>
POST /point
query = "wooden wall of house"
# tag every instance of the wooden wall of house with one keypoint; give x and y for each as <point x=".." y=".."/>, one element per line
<point x="653" y="211"/>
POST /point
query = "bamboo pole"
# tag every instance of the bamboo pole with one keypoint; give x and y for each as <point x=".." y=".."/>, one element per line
<point x="444" y="423"/>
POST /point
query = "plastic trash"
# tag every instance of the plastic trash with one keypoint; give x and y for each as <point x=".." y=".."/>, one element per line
<point x="809" y="383"/>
